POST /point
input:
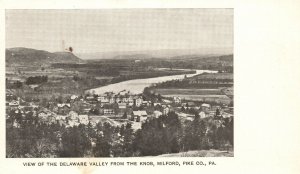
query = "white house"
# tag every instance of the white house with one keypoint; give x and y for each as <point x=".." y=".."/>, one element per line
<point x="13" y="103"/>
<point x="122" y="105"/>
<point x="166" y="110"/>
<point x="156" y="114"/>
<point x="138" y="101"/>
<point x="72" y="123"/>
<point x="108" y="111"/>
<point x="202" y="114"/>
<point x="103" y="99"/>
<point x="43" y="114"/>
<point x="111" y="100"/>
<point x="73" y="115"/>
<point x="73" y="97"/>
<point x="177" y="100"/>
<point x="139" y="115"/>
<point x="83" y="119"/>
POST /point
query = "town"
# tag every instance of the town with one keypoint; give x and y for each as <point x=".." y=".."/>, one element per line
<point x="118" y="108"/>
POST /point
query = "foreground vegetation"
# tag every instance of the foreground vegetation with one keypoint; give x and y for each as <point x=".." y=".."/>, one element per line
<point x="166" y="134"/>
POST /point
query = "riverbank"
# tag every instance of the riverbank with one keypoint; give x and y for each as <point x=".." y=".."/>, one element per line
<point x="137" y="86"/>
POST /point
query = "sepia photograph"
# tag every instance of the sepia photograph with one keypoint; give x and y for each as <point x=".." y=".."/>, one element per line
<point x="135" y="82"/>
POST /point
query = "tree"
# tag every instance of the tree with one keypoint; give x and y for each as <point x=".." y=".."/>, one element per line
<point x="104" y="140"/>
<point x="124" y="115"/>
<point x="75" y="142"/>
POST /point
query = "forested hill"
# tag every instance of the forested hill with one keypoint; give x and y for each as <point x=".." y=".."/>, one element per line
<point x="26" y="56"/>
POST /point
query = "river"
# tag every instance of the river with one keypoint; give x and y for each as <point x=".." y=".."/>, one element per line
<point x="137" y="86"/>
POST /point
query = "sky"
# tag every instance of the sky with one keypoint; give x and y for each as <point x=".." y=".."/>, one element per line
<point x="109" y="30"/>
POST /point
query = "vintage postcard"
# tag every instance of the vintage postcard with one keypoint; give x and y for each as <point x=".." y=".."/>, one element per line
<point x="149" y="87"/>
<point x="119" y="83"/>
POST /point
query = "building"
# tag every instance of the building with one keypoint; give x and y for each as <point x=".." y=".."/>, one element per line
<point x="156" y="114"/>
<point x="139" y="116"/>
<point x="122" y="105"/>
<point x="125" y="99"/>
<point x="90" y="98"/>
<point x="177" y="100"/>
<point x="202" y="114"/>
<point x="73" y="115"/>
<point x="205" y="107"/>
<point x="166" y="110"/>
<point x="138" y="101"/>
<point x="83" y="119"/>
<point x="103" y="99"/>
<point x="130" y="101"/>
<point x="108" y="111"/>
<point x="146" y="103"/>
<point x="13" y="104"/>
<point x="43" y="115"/>
<point x="111" y="100"/>
<point x="73" y="97"/>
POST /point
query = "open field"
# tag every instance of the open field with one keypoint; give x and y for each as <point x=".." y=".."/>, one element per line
<point x="188" y="91"/>
<point x="203" y="98"/>
<point x="204" y="95"/>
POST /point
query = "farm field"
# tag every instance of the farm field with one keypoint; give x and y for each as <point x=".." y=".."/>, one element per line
<point x="203" y="95"/>
<point x="203" y="98"/>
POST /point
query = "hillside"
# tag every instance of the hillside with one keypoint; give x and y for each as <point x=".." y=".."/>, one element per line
<point x="163" y="53"/>
<point x="200" y="153"/>
<point x="25" y="56"/>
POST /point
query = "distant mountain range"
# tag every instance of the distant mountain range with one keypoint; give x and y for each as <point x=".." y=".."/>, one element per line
<point x="25" y="56"/>
<point x="28" y="56"/>
<point x="167" y="53"/>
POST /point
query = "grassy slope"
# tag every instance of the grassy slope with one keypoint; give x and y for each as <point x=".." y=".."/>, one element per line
<point x="200" y="153"/>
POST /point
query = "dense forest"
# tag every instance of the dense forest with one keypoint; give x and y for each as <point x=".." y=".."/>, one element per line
<point x="166" y="134"/>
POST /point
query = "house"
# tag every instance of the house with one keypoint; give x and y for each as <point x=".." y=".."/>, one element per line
<point x="83" y="119"/>
<point x="156" y="104"/>
<point x="166" y="101"/>
<point x="60" y="117"/>
<point x="44" y="114"/>
<point x="138" y="101"/>
<point x="108" y="111"/>
<point x="211" y="113"/>
<point x="123" y="92"/>
<point x="111" y="100"/>
<point x="103" y="99"/>
<point x="130" y="101"/>
<point x="61" y="105"/>
<point x="73" y="97"/>
<point x="146" y="103"/>
<point x="73" y="115"/>
<point x="177" y="100"/>
<point x="139" y="115"/>
<point x="13" y="103"/>
<point x="202" y="114"/>
<point x="156" y="114"/>
<point x="122" y="105"/>
<point x="166" y="110"/>
<point x="16" y="124"/>
<point x="125" y="99"/>
<point x="205" y="107"/>
<point x="117" y="99"/>
<point x="72" y="123"/>
<point x="51" y="119"/>
<point x="89" y="98"/>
